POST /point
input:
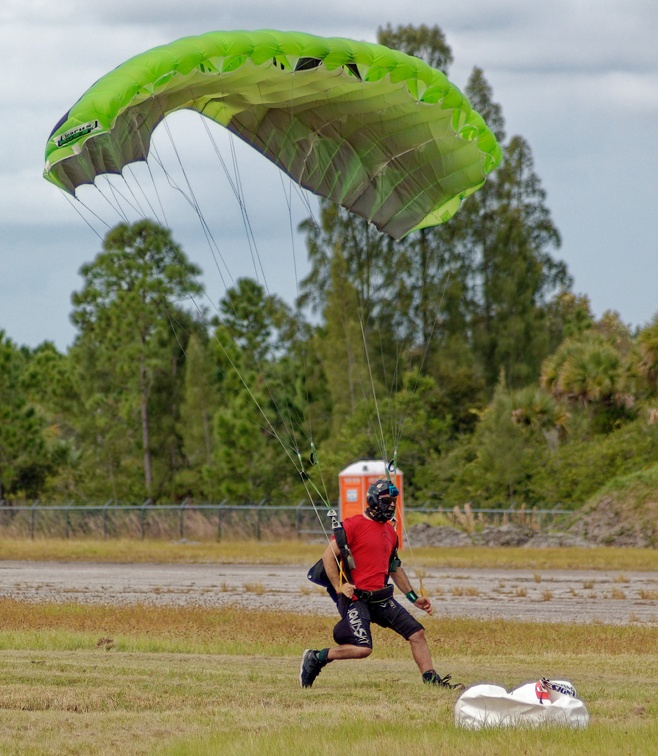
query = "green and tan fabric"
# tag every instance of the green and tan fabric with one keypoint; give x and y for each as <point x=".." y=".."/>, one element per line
<point x="374" y="130"/>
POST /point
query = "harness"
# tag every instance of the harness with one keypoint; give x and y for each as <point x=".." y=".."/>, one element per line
<point x="318" y="575"/>
<point x="374" y="597"/>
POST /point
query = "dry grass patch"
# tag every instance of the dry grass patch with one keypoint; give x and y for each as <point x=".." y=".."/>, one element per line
<point x="199" y="629"/>
<point x="297" y="552"/>
<point x="153" y="551"/>
<point x="257" y="588"/>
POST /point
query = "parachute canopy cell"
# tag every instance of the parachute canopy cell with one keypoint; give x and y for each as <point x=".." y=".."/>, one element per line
<point x="372" y="129"/>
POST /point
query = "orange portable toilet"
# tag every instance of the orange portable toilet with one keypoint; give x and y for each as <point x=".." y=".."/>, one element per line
<point x="353" y="484"/>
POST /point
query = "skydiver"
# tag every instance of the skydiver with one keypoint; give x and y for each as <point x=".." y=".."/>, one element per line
<point x="367" y="596"/>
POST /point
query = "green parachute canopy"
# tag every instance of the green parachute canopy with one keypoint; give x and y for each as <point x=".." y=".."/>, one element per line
<point x="372" y="129"/>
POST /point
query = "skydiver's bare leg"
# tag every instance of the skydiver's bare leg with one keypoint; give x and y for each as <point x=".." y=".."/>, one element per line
<point x="348" y="651"/>
<point x="420" y="651"/>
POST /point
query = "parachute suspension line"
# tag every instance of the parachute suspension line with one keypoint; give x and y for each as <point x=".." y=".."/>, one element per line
<point x="392" y="467"/>
<point x="268" y="428"/>
<point x="392" y="415"/>
<point x="113" y="203"/>
<point x="288" y="198"/>
<point x="212" y="244"/>
<point x="222" y="162"/>
<point x="121" y="196"/>
<point x="313" y="458"/>
<point x="406" y="410"/>
<point x="397" y="424"/>
<point x="305" y="201"/>
<point x="73" y="201"/>
<point x="287" y="423"/>
<point x="137" y="206"/>
<point x="290" y="450"/>
<point x="161" y="220"/>
<point x="355" y="378"/>
<point x="376" y="422"/>
<point x="213" y="247"/>
<point x="331" y="513"/>
<point x="255" y="256"/>
<point x="309" y="485"/>
<point x="145" y="151"/>
<point x="268" y="424"/>
<point x="235" y="184"/>
<point x="303" y="197"/>
<point x="235" y="181"/>
<point x="192" y="201"/>
<point x="191" y="198"/>
<point x="381" y="436"/>
<point x="308" y="482"/>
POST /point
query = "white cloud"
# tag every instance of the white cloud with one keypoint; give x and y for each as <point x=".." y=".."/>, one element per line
<point x="577" y="78"/>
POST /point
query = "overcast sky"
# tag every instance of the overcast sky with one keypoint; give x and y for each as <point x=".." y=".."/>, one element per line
<point x="578" y="79"/>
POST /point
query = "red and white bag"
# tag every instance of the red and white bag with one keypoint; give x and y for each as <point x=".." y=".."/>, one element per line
<point x="544" y="702"/>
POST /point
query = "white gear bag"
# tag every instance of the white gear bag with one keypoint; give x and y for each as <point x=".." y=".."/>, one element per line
<point x="551" y="702"/>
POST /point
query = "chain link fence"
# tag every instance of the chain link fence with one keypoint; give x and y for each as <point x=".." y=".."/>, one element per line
<point x="216" y="521"/>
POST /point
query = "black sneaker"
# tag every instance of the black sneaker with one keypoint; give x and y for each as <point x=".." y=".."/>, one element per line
<point x="310" y="668"/>
<point x="433" y="678"/>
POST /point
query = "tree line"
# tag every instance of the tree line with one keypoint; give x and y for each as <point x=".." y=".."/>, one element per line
<point x="461" y="351"/>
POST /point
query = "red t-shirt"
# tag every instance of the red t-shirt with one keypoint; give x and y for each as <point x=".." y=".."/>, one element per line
<point x="372" y="544"/>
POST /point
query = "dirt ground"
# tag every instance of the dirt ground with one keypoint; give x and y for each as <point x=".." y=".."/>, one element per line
<point x="579" y="596"/>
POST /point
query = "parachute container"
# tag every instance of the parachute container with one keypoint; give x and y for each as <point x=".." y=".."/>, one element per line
<point x="353" y="484"/>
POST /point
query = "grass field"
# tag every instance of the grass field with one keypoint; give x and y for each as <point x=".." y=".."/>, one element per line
<point x="80" y="679"/>
<point x="298" y="552"/>
<point x="105" y="680"/>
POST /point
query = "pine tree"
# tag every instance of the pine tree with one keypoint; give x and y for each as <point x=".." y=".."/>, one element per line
<point x="506" y="234"/>
<point x="260" y="422"/>
<point x="126" y="351"/>
<point x="200" y="401"/>
<point x="427" y="43"/>
<point x="24" y="459"/>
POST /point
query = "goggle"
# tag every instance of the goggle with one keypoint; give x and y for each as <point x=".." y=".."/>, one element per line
<point x="391" y="495"/>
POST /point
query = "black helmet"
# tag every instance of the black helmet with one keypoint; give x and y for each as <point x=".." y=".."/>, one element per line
<point x="381" y="499"/>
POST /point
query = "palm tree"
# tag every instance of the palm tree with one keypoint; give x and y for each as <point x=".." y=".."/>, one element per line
<point x="647" y="344"/>
<point x="588" y="369"/>
<point x="536" y="409"/>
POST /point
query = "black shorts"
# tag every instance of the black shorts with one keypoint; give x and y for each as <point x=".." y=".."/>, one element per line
<point x="356" y="616"/>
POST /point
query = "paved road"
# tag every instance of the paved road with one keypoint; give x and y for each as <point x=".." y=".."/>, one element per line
<point x="543" y="596"/>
